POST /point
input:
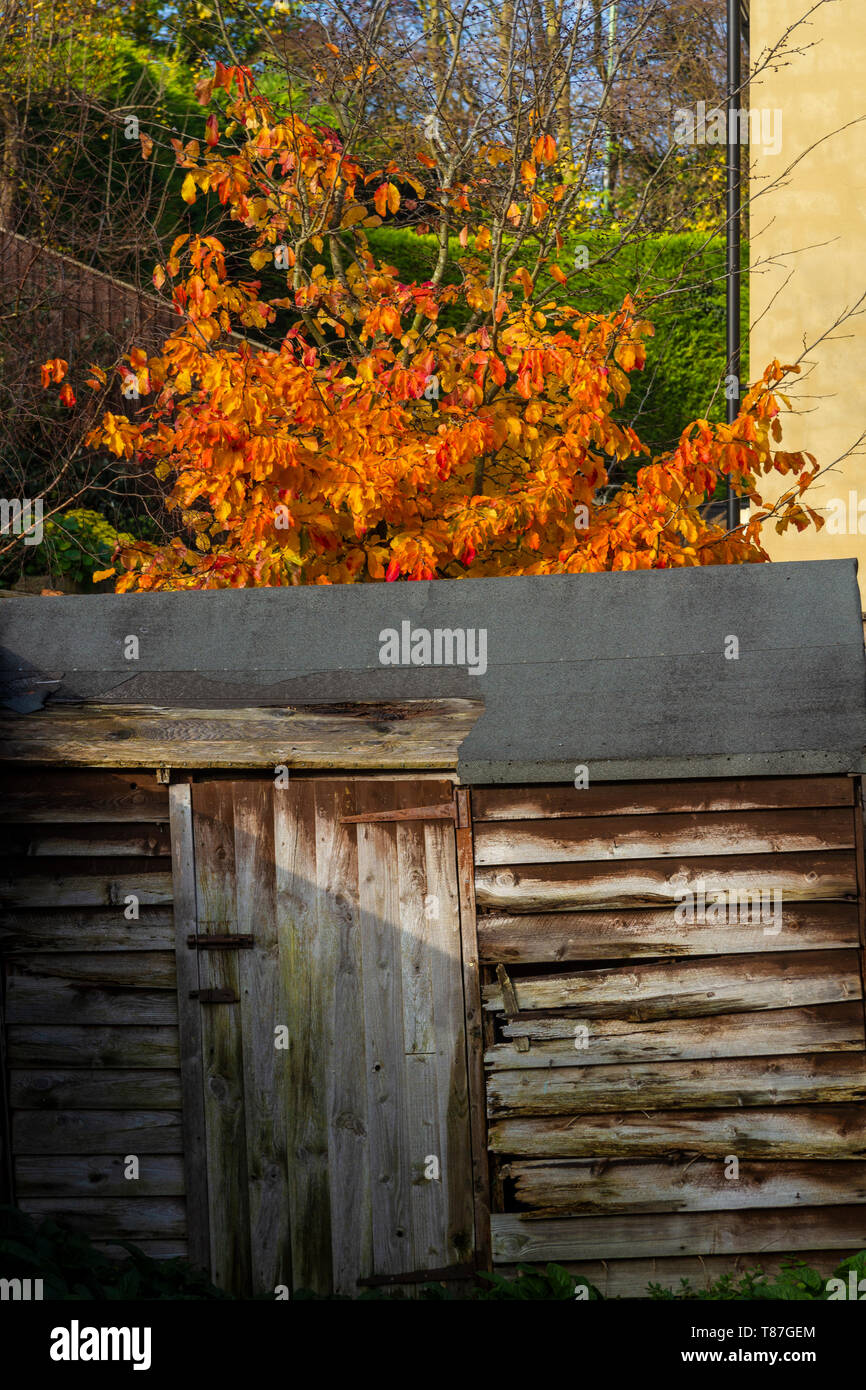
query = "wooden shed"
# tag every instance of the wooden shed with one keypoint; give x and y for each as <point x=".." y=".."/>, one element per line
<point x="389" y="932"/>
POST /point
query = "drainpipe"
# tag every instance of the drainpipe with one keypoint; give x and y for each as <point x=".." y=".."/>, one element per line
<point x="732" y="268"/>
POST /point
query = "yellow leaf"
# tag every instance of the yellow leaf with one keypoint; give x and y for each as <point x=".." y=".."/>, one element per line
<point x="393" y="198"/>
<point x="260" y="258"/>
<point x="159" y="277"/>
<point x="187" y="191"/>
<point x="354" y="214"/>
<point x="99" y="575"/>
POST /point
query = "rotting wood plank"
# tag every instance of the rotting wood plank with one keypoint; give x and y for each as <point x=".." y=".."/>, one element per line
<point x="812" y="1078"/>
<point x="95" y="1131"/>
<point x="779" y="1132"/>
<point x="561" y="1042"/>
<point x="654" y="798"/>
<point x="378" y="880"/>
<point x="622" y="838"/>
<point x="86" y="841"/>
<point x="262" y="1003"/>
<point x="39" y="999"/>
<point x="130" y="1218"/>
<point x="681" y="1233"/>
<point x="222" y="1048"/>
<point x="657" y="883"/>
<point x="474" y="1028"/>
<point x="50" y="1045"/>
<point x="37" y="1175"/>
<point x="560" y="936"/>
<point x="71" y="890"/>
<point x="135" y="970"/>
<point x="112" y="1089"/>
<point x="584" y="1188"/>
<point x="338" y="921"/>
<point x="692" y="988"/>
<point x="185" y="920"/>
<point x="94" y="930"/>
<point x="415" y="733"/>
<point x="306" y="964"/>
<point x="62" y="795"/>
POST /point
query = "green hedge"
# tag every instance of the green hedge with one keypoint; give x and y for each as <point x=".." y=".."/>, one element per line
<point x="685" y="358"/>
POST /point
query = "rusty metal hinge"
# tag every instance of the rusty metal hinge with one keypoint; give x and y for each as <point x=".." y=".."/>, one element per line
<point x="199" y="942"/>
<point x="214" y="996"/>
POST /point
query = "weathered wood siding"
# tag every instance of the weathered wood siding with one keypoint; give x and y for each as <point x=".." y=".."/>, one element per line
<point x="91" y="1004"/>
<point x="631" y="1054"/>
<point x="326" y="1096"/>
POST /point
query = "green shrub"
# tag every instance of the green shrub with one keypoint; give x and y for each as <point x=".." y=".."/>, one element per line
<point x="71" y="1268"/>
<point x="76" y="544"/>
<point x="685" y="357"/>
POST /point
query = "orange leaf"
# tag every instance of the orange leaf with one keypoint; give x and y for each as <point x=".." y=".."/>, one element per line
<point x="558" y="275"/>
<point x="464" y="236"/>
<point x="426" y="161"/>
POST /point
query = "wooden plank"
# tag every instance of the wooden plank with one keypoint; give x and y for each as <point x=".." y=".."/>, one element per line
<point x="414" y="931"/>
<point x="414" y="733"/>
<point x="474" y="1028"/>
<point x="96" y="1131"/>
<point x="59" y="794"/>
<point x="560" y="936"/>
<point x="134" y="970"/>
<point x="653" y="798"/>
<point x="444" y="945"/>
<point x="687" y="1233"/>
<point x="338" y="921"/>
<point x="159" y="1175"/>
<point x="262" y="1002"/>
<point x="810" y="1079"/>
<point x="185" y="922"/>
<point x="47" y="1045"/>
<point x="131" y="1218"/>
<point x="378" y="879"/>
<point x="87" y="840"/>
<point x="113" y="1089"/>
<point x="813" y="1131"/>
<point x="307" y="966"/>
<point x="651" y="883"/>
<point x="222" y="1046"/>
<point x="87" y="930"/>
<point x="39" y="999"/>
<point x="574" y="1189"/>
<point x="68" y="890"/>
<point x="692" y="988"/>
<point x="584" y="839"/>
<point x="632" y="1278"/>
<point x="560" y="1042"/>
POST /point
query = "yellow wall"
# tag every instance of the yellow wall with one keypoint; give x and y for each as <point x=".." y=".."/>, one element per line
<point x="814" y="229"/>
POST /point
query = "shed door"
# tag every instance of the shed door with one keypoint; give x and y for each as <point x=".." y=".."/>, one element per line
<point x="325" y="1084"/>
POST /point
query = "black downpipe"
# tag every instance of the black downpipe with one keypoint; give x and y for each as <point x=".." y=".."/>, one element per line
<point x="732" y="268"/>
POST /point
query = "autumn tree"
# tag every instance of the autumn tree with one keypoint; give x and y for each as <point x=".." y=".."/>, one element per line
<point x="373" y="440"/>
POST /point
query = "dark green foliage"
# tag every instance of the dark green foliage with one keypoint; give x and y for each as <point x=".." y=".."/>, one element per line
<point x="678" y="283"/>
<point x="72" y="1269"/>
